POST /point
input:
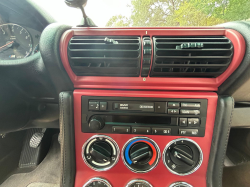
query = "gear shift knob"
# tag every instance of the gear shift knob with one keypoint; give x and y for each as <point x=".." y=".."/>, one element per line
<point x="76" y="3"/>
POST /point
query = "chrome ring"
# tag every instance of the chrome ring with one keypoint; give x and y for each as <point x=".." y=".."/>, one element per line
<point x="112" y="141"/>
<point x="139" y="180"/>
<point x="180" y="183"/>
<point x="156" y="147"/>
<point x="97" y="179"/>
<point x="194" y="169"/>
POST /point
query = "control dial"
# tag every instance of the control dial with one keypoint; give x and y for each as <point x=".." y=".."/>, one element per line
<point x="180" y="184"/>
<point x="97" y="182"/>
<point x="141" y="154"/>
<point x="182" y="156"/>
<point x="139" y="183"/>
<point x="96" y="123"/>
<point x="100" y="152"/>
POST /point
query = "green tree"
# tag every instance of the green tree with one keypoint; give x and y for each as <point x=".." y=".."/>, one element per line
<point x="183" y="13"/>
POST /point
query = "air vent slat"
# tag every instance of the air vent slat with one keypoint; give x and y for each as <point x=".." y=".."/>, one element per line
<point x="191" y="56"/>
<point x="105" y="55"/>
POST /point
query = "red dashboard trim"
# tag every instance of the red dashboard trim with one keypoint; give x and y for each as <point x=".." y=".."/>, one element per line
<point x="153" y="83"/>
<point x="120" y="175"/>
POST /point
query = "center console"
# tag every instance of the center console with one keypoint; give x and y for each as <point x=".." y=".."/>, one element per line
<point x="145" y="102"/>
<point x="143" y="138"/>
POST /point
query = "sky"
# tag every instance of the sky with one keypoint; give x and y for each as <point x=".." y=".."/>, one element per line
<point x="100" y="11"/>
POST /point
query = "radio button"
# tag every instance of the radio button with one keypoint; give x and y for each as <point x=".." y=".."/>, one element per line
<point x="160" y="107"/>
<point x="194" y="122"/>
<point x="183" y="122"/>
<point x="173" y="104"/>
<point x="121" y="129"/>
<point x="190" y="105"/>
<point x="188" y="132"/>
<point x="141" y="130"/>
<point x="94" y="105"/>
<point x="161" y="131"/>
<point x="190" y="112"/>
<point x="173" y="111"/>
<point x="103" y="105"/>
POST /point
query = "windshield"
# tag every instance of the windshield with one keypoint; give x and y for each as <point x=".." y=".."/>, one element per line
<point x="151" y="13"/>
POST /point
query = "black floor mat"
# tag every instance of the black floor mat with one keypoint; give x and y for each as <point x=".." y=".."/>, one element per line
<point x="237" y="176"/>
<point x="47" y="172"/>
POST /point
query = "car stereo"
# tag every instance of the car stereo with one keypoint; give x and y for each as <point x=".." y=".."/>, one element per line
<point x="147" y="116"/>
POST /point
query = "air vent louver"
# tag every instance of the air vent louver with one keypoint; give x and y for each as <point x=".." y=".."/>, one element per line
<point x="105" y="55"/>
<point x="191" y="56"/>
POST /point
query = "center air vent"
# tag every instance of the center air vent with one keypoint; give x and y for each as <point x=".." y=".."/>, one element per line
<point x="105" y="55"/>
<point x="191" y="56"/>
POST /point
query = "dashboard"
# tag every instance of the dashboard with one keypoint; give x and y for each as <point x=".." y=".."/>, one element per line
<point x="146" y="107"/>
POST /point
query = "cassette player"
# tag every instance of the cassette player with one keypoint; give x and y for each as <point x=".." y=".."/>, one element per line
<point x="148" y="116"/>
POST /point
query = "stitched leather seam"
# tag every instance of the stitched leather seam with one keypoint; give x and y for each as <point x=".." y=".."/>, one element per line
<point x="225" y="147"/>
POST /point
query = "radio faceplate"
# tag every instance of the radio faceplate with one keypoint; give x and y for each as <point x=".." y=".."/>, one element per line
<point x="147" y="116"/>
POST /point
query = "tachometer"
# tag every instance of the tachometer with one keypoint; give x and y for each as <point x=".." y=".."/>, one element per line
<point x="15" y="42"/>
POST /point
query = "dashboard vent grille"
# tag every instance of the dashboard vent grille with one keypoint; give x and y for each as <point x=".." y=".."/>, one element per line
<point x="191" y="56"/>
<point x="105" y="55"/>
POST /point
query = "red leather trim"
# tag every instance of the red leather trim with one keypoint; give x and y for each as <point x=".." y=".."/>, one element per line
<point x="153" y="83"/>
<point x="120" y="175"/>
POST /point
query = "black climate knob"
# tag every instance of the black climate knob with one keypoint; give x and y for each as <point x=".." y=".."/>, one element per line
<point x="96" y="123"/>
<point x="182" y="156"/>
<point x="140" y="153"/>
<point x="101" y="152"/>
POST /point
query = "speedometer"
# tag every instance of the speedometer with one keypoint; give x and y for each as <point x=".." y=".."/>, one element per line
<point x="15" y="42"/>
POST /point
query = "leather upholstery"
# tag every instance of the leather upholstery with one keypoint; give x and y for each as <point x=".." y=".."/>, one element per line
<point x="67" y="140"/>
<point x="221" y="132"/>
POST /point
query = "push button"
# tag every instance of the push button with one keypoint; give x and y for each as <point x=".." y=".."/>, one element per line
<point x="103" y="105"/>
<point x="160" y="107"/>
<point x="193" y="122"/>
<point x="173" y="104"/>
<point x="190" y="112"/>
<point x="141" y="130"/>
<point x="94" y="105"/>
<point x="183" y="122"/>
<point x="161" y="131"/>
<point x="121" y="130"/>
<point x="190" y="105"/>
<point x="173" y="111"/>
<point x="188" y="132"/>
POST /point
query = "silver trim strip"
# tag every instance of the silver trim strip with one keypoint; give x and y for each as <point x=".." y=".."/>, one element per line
<point x="114" y="145"/>
<point x="138" y="180"/>
<point x="97" y="179"/>
<point x="194" y="169"/>
<point x="180" y="183"/>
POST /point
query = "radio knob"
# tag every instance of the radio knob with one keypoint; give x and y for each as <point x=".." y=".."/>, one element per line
<point x="96" y="123"/>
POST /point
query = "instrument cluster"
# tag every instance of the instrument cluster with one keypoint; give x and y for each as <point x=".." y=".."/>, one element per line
<point x="17" y="42"/>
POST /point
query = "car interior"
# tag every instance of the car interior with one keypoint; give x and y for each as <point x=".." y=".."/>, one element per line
<point x="159" y="98"/>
